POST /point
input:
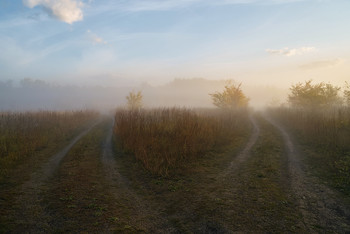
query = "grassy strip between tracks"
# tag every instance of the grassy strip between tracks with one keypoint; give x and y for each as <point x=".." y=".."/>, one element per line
<point x="79" y="198"/>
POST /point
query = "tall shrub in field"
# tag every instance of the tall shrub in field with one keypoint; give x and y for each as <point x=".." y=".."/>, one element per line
<point x="165" y="139"/>
<point x="232" y="97"/>
<point x="308" y="95"/>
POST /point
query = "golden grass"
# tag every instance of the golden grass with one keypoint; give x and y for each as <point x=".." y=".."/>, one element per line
<point x="165" y="139"/>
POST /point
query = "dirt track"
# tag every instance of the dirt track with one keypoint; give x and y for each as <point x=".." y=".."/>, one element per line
<point x="30" y="213"/>
<point x="244" y="154"/>
<point x="146" y="215"/>
<point x="322" y="208"/>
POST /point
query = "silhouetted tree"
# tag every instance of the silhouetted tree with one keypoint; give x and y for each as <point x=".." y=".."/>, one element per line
<point x="231" y="98"/>
<point x="134" y="100"/>
<point x="308" y="95"/>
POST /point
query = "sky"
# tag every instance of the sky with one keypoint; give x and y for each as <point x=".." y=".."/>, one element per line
<point x="128" y="42"/>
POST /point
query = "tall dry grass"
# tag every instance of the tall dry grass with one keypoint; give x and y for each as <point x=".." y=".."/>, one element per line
<point x="22" y="135"/>
<point x="327" y="132"/>
<point x="165" y="139"/>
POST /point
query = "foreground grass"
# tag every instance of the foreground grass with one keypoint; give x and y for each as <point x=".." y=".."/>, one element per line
<point x="324" y="136"/>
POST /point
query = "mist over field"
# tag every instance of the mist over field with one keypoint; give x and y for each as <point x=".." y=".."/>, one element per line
<point x="31" y="94"/>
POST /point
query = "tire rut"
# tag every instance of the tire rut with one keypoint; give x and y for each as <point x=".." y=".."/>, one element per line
<point x="245" y="153"/>
<point x="322" y="208"/>
<point x="30" y="214"/>
<point x="146" y="214"/>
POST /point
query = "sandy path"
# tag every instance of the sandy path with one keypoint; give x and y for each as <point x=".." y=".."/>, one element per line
<point x="322" y="209"/>
<point x="145" y="214"/>
<point x="244" y="154"/>
<point x="30" y="215"/>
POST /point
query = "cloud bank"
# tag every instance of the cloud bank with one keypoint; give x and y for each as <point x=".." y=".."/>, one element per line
<point x="68" y="11"/>
<point x="291" y="52"/>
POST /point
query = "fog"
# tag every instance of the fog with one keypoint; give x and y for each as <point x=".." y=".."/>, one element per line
<point x="30" y="94"/>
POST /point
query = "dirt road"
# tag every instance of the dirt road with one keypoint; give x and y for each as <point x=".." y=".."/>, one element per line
<point x="245" y="153"/>
<point x="145" y="214"/>
<point x="322" y="208"/>
<point x="30" y="211"/>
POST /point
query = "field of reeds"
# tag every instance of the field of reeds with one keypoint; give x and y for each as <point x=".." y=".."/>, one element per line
<point x="23" y="134"/>
<point x="165" y="139"/>
<point x="325" y="133"/>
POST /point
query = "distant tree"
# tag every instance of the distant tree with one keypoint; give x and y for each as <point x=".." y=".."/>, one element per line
<point x="308" y="95"/>
<point x="347" y="93"/>
<point x="134" y="100"/>
<point x="231" y="98"/>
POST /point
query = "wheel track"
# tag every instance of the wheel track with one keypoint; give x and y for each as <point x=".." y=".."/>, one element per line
<point x="322" y="208"/>
<point x="245" y="153"/>
<point x="146" y="213"/>
<point x="30" y="214"/>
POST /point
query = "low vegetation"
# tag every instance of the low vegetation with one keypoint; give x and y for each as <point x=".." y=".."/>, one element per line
<point x="164" y="139"/>
<point x="22" y="135"/>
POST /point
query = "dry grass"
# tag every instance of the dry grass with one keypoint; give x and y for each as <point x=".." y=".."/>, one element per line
<point x="327" y="133"/>
<point x="165" y="139"/>
<point x="22" y="135"/>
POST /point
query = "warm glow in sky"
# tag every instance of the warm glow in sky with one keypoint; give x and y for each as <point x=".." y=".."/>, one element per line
<point x="122" y="42"/>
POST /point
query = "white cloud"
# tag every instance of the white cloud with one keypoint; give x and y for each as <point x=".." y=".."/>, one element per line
<point x="68" y="11"/>
<point x="291" y="52"/>
<point x="95" y="39"/>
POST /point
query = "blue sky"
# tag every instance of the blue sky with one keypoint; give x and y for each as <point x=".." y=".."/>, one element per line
<point x="125" y="42"/>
